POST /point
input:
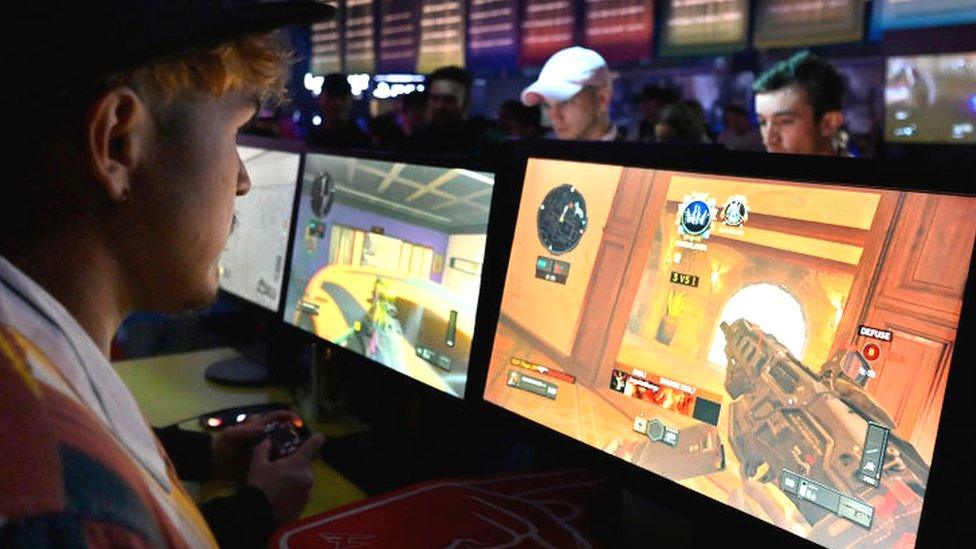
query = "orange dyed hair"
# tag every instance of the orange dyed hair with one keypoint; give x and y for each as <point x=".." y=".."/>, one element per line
<point x="259" y="61"/>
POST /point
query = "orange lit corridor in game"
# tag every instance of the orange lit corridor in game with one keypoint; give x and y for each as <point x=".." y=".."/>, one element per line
<point x="747" y="339"/>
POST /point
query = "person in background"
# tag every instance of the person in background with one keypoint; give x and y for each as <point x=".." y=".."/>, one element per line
<point x="680" y="123"/>
<point x="448" y="126"/>
<point x="392" y="130"/>
<point x="449" y="96"/>
<point x="648" y="105"/>
<point x="337" y="129"/>
<point x="739" y="134"/>
<point x="576" y="86"/>
<point x="267" y="123"/>
<point x="120" y="197"/>
<point x="411" y="109"/>
<point x="518" y="121"/>
<point x="798" y="102"/>
<point x="698" y="111"/>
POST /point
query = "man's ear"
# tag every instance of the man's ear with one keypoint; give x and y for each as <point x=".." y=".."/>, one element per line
<point x="116" y="131"/>
<point x="604" y="95"/>
<point x="830" y="123"/>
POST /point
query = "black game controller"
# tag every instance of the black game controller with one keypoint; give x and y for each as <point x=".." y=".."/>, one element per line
<point x="286" y="437"/>
<point x="228" y="417"/>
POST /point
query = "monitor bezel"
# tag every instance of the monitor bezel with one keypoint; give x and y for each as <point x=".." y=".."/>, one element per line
<point x="481" y="162"/>
<point x="716" y="522"/>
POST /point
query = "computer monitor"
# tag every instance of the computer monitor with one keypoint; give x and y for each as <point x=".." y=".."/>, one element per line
<point x="252" y="266"/>
<point x="889" y="15"/>
<point x="386" y="262"/>
<point x="778" y="342"/>
<point x="931" y="99"/>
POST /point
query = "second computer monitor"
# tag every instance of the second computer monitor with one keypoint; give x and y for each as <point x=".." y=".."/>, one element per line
<point x="387" y="262"/>
<point x="931" y="99"/>
<point x="252" y="265"/>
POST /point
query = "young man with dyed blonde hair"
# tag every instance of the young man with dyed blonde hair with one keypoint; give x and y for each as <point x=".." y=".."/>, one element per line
<point x="121" y="197"/>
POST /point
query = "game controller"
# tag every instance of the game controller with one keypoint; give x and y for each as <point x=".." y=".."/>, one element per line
<point x="286" y="437"/>
<point x="228" y="417"/>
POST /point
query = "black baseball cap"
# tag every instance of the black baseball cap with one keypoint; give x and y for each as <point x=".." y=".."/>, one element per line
<point x="68" y="44"/>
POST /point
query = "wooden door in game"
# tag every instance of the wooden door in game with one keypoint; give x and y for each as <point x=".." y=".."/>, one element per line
<point x="623" y="253"/>
<point x="918" y="297"/>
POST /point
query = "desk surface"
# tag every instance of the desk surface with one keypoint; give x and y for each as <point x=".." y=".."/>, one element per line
<point x="172" y="389"/>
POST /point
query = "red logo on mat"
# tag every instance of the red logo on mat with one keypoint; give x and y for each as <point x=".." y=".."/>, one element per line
<point x="347" y="541"/>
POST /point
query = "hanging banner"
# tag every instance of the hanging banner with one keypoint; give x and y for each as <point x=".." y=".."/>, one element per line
<point x="360" y="55"/>
<point x="795" y="23"/>
<point x="621" y="30"/>
<point x="700" y="27"/>
<point x="441" y="34"/>
<point x="547" y="27"/>
<point x="492" y="34"/>
<point x="399" y="31"/>
<point x="326" y="41"/>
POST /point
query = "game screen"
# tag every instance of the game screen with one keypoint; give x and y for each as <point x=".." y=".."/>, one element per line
<point x="253" y="263"/>
<point x="907" y="14"/>
<point x="387" y="262"/>
<point x="780" y="347"/>
<point x="931" y="99"/>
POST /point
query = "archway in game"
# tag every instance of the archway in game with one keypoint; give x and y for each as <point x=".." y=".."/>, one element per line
<point x="771" y="308"/>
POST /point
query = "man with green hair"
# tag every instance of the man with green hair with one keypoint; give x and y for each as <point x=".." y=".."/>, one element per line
<point x="798" y="102"/>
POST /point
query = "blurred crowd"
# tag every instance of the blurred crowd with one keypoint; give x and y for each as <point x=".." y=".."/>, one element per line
<point x="797" y="109"/>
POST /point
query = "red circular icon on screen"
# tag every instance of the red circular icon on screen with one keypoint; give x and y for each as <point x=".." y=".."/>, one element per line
<point x="871" y="351"/>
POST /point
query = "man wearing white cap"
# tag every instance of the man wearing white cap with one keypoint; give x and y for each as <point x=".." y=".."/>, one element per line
<point x="576" y="87"/>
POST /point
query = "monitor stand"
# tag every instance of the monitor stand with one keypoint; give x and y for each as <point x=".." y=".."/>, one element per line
<point x="260" y="363"/>
<point x="239" y="371"/>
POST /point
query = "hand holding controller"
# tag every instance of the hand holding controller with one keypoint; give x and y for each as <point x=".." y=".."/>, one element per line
<point x="281" y="466"/>
<point x="286" y="437"/>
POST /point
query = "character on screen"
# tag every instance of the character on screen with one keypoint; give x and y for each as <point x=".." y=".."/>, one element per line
<point x="798" y="102"/>
<point x="382" y="325"/>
